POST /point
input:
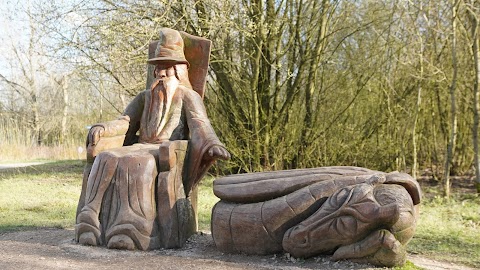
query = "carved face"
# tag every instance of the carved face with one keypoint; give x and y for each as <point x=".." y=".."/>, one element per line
<point x="167" y="69"/>
<point x="349" y="215"/>
<point x="164" y="70"/>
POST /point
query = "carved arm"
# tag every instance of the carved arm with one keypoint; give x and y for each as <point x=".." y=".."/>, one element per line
<point x="105" y="136"/>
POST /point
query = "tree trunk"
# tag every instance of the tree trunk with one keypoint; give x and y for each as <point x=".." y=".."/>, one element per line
<point x="255" y="110"/>
<point x="476" y="96"/>
<point x="453" y="106"/>
<point x="312" y="84"/>
<point x="417" y="111"/>
<point x="65" y="109"/>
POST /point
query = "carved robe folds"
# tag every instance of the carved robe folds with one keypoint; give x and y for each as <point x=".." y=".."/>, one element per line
<point x="122" y="202"/>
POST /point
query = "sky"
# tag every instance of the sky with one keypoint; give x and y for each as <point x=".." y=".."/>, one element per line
<point x="15" y="26"/>
<point x="13" y="31"/>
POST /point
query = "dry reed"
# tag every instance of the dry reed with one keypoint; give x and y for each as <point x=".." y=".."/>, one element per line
<point x="18" y="143"/>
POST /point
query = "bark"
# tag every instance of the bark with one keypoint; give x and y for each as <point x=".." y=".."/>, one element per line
<point x="312" y="85"/>
<point x="65" y="110"/>
<point x="254" y="86"/>
<point x="417" y="111"/>
<point x="453" y="106"/>
<point x="476" y="96"/>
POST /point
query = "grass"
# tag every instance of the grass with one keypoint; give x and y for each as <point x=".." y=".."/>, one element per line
<point x="40" y="196"/>
<point x="18" y="143"/>
<point x="46" y="196"/>
<point x="206" y="201"/>
<point x="408" y="266"/>
<point x="16" y="153"/>
<point x="449" y="230"/>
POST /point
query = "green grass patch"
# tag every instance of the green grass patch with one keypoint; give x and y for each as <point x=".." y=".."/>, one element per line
<point x="449" y="230"/>
<point x="409" y="266"/>
<point x="46" y="195"/>
<point x="206" y="201"/>
<point x="43" y="195"/>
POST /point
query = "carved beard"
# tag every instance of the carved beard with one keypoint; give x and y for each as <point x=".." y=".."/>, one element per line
<point x="161" y="94"/>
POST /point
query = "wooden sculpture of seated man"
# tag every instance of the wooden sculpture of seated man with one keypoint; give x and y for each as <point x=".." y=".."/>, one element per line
<point x="353" y="213"/>
<point x="120" y="202"/>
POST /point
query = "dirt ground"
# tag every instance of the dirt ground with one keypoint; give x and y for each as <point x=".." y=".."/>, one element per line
<point x="55" y="249"/>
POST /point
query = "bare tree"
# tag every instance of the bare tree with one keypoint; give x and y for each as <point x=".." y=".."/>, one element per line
<point x="295" y="83"/>
<point x="453" y="105"/>
<point x="25" y="79"/>
<point x="473" y="12"/>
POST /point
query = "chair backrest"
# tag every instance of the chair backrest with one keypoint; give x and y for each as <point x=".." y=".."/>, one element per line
<point x="197" y="53"/>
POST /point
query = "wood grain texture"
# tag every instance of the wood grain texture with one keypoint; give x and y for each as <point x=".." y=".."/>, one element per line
<point x="356" y="213"/>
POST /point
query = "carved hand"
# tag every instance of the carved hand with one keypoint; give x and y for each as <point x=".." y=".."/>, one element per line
<point x="94" y="134"/>
<point x="217" y="151"/>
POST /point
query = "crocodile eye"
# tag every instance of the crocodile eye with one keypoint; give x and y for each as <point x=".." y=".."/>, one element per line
<point x="304" y="240"/>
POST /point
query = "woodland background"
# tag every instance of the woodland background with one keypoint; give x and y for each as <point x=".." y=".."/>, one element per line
<point x="388" y="85"/>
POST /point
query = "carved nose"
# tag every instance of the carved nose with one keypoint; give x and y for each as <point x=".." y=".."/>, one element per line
<point x="162" y="73"/>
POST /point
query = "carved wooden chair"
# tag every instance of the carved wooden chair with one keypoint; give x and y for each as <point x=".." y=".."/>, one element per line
<point x="176" y="200"/>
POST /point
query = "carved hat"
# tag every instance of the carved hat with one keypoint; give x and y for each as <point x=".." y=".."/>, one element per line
<point x="169" y="48"/>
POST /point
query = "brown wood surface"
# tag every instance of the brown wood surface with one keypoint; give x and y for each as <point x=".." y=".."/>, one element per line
<point x="371" y="215"/>
<point x="176" y="211"/>
<point x="144" y="193"/>
<point x="197" y="53"/>
<point x="103" y="144"/>
<point x="256" y="187"/>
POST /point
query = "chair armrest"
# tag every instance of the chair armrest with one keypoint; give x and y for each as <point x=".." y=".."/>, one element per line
<point x="104" y="143"/>
<point x="172" y="153"/>
<point x="113" y="136"/>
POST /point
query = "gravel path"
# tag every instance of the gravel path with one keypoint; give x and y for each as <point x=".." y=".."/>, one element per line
<point x="55" y="249"/>
<point x="19" y="165"/>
